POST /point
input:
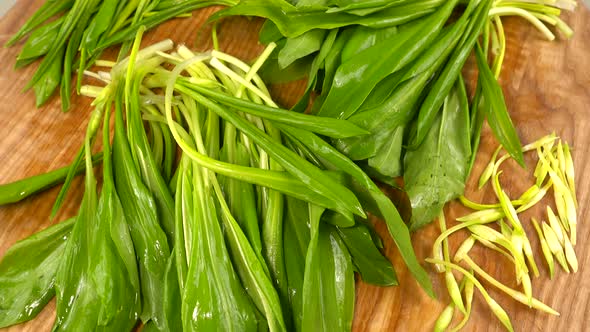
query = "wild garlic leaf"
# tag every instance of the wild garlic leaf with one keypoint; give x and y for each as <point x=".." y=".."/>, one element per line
<point x="497" y="115"/>
<point x="296" y="235"/>
<point x="356" y="77"/>
<point x="213" y="298"/>
<point x="293" y="21"/>
<point x="371" y="197"/>
<point x="140" y="212"/>
<point x="27" y="273"/>
<point x="373" y="267"/>
<point x="40" y="41"/>
<point x="301" y="46"/>
<point x="436" y="171"/>
<point x="328" y="287"/>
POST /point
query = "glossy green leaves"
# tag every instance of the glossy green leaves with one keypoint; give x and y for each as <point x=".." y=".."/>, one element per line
<point x="356" y="77"/>
<point x="81" y="32"/>
<point x="328" y="286"/>
<point x="373" y="267"/>
<point x="496" y="111"/>
<point x="16" y="191"/>
<point x="27" y="273"/>
<point x="213" y="298"/>
<point x="292" y="21"/>
<point x="436" y="171"/>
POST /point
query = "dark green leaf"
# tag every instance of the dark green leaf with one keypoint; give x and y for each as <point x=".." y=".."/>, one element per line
<point x="324" y="126"/>
<point x="48" y="83"/>
<point x="498" y="117"/>
<point x="388" y="160"/>
<point x="370" y="195"/>
<point x="21" y="189"/>
<point x="45" y="12"/>
<point x="444" y="82"/>
<point x="436" y="172"/>
<point x="373" y="267"/>
<point x="356" y="77"/>
<point x="328" y="287"/>
<point x="148" y="237"/>
<point x="213" y="298"/>
<point x="293" y="21"/>
<point x="40" y="41"/>
<point x="27" y="273"/>
<point x="301" y="46"/>
<point x="345" y="202"/>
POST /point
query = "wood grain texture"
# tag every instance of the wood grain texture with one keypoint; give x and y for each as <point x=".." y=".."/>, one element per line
<point x="546" y="88"/>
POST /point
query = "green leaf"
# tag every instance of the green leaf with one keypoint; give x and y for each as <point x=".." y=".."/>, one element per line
<point x="45" y="12"/>
<point x="328" y="287"/>
<point x="76" y="299"/>
<point x="113" y="267"/>
<point x="332" y="62"/>
<point x="140" y="211"/>
<point x="272" y="73"/>
<point x="356" y="77"/>
<point x="241" y="197"/>
<point x="97" y="284"/>
<point x="370" y="195"/>
<point x="336" y="128"/>
<point x="40" y="41"/>
<point x="77" y="12"/>
<point x="253" y="273"/>
<point x="116" y="253"/>
<point x="146" y="163"/>
<point x="301" y="46"/>
<point x="388" y="160"/>
<point x="17" y="191"/>
<point x="445" y="80"/>
<point x="71" y="51"/>
<point x="99" y="25"/>
<point x="373" y="267"/>
<point x="213" y="298"/>
<point x="296" y="240"/>
<point x="363" y="38"/>
<point x="316" y="65"/>
<point x="362" y="8"/>
<point x="93" y="286"/>
<point x="314" y="178"/>
<point x="49" y="81"/>
<point x="397" y="110"/>
<point x="293" y="21"/>
<point x="27" y="273"/>
<point x="269" y="33"/>
<point x="172" y="300"/>
<point x="497" y="115"/>
<point x="437" y="170"/>
<point x="163" y="14"/>
<point x="395" y="99"/>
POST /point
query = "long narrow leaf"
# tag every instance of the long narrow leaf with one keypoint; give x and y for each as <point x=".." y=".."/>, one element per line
<point x="498" y="116"/>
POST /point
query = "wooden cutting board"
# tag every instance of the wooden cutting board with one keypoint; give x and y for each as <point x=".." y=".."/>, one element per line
<point x="546" y="89"/>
